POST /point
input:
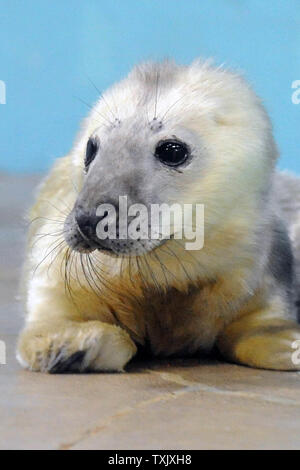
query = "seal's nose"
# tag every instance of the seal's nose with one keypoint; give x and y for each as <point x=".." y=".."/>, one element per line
<point x="87" y="225"/>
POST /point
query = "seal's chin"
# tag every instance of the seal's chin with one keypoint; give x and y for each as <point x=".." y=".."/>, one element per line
<point x="128" y="248"/>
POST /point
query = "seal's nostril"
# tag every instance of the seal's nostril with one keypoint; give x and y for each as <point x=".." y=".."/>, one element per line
<point x="87" y="225"/>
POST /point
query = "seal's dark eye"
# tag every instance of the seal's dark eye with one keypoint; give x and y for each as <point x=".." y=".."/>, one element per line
<point x="172" y="152"/>
<point x="91" y="150"/>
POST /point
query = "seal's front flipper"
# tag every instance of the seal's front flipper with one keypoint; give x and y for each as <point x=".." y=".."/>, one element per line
<point x="262" y="339"/>
<point x="65" y="346"/>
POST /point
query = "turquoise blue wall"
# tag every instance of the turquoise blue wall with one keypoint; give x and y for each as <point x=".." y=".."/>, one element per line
<point x="49" y="48"/>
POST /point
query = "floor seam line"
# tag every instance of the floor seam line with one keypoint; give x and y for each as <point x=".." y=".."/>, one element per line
<point x="190" y="387"/>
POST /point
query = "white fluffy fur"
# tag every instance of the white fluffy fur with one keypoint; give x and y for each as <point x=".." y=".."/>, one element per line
<point x="231" y="173"/>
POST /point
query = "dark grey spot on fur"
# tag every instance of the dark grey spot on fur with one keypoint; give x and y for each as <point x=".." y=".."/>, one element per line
<point x="281" y="263"/>
<point x="156" y="125"/>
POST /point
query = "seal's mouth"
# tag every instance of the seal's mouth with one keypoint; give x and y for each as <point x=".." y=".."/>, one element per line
<point x="113" y="247"/>
<point x="83" y="239"/>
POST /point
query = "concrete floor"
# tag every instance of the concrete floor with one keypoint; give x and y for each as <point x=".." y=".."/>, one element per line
<point x="157" y="405"/>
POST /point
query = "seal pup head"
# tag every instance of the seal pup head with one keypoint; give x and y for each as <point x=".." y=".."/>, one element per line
<point x="169" y="134"/>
